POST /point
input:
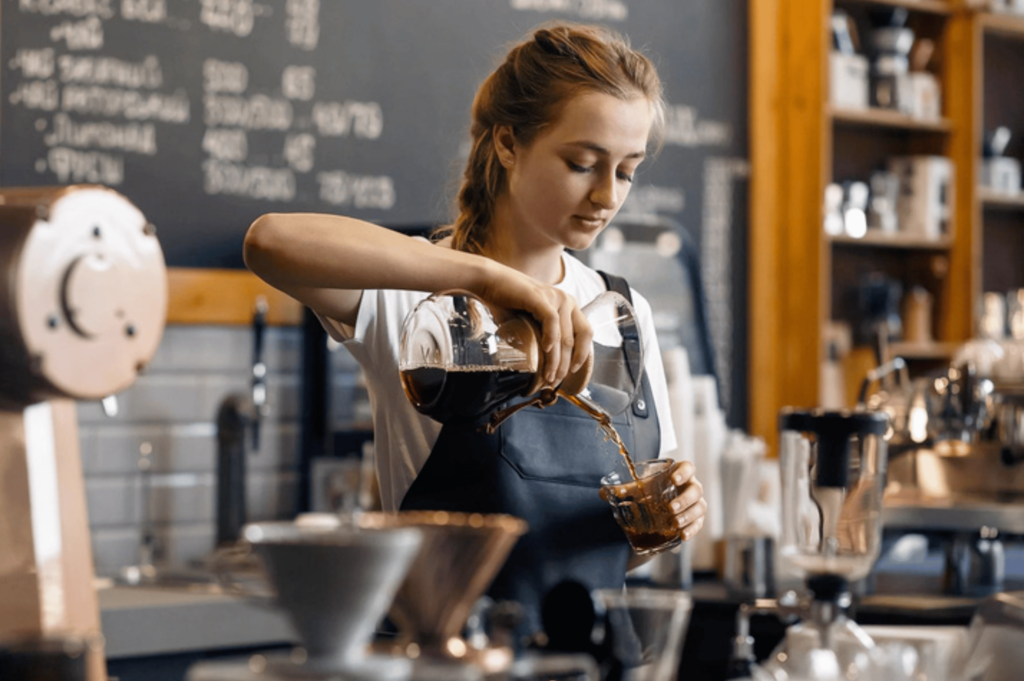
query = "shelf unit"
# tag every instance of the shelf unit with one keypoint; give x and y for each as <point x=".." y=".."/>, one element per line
<point x="999" y="218"/>
<point x="798" y="273"/>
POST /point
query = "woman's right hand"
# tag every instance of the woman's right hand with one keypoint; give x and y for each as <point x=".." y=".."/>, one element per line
<point x="566" y="333"/>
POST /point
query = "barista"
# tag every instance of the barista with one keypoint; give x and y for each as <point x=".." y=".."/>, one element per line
<point x="559" y="130"/>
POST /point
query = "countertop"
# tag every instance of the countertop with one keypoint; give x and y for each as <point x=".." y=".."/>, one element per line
<point x="143" y="621"/>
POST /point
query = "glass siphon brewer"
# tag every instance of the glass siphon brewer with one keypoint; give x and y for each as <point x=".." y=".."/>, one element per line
<point x="832" y="467"/>
<point x="460" y="359"/>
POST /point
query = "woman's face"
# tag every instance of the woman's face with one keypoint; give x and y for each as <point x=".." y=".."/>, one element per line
<point x="570" y="181"/>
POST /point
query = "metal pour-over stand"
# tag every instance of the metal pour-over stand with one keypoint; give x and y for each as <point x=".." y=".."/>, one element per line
<point x="83" y="302"/>
<point x="833" y="477"/>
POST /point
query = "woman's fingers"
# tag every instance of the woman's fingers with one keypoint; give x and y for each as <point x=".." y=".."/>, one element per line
<point x="682" y="471"/>
<point x="690" y="501"/>
<point x="566" y="336"/>
<point x="690" y="531"/>
<point x="583" y="343"/>
<point x="690" y="506"/>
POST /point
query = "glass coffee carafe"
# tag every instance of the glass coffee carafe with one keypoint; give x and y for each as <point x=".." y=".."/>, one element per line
<point x="833" y="477"/>
<point x="461" y="359"/>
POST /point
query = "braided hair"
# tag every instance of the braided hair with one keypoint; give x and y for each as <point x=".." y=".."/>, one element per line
<point x="527" y="92"/>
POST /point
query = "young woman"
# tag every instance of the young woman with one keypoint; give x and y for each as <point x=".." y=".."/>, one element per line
<point x="558" y="132"/>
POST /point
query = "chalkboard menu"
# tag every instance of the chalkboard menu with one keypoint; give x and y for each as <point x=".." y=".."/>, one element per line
<point x="208" y="113"/>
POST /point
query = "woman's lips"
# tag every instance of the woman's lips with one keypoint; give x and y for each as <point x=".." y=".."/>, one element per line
<point x="590" y="222"/>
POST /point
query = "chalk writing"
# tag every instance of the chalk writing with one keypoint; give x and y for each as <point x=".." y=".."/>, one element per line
<point x="613" y="10"/>
<point x="302" y="23"/>
<point x="256" y="182"/>
<point x="298" y="151"/>
<point x="78" y="8"/>
<point x="225" y="76"/>
<point x="72" y="165"/>
<point x="685" y="129"/>
<point x="133" y="137"/>
<point x="652" y="200"/>
<point x="339" y="188"/>
<point x="79" y="35"/>
<point x="147" y="11"/>
<point x="37" y="94"/>
<point x="340" y="119"/>
<point x="231" y="16"/>
<point x="299" y="82"/>
<point x="110" y="102"/>
<point x="111" y="71"/>
<point x="258" y="112"/>
<point x="34" y="63"/>
<point x="225" y="144"/>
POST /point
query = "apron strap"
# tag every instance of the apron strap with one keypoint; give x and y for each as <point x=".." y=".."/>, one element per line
<point x="631" y="341"/>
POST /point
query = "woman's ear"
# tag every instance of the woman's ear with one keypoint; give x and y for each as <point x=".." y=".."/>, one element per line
<point x="505" y="145"/>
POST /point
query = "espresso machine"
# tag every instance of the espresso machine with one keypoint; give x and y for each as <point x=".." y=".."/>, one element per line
<point x="833" y="477"/>
<point x="83" y="302"/>
<point x="956" y="455"/>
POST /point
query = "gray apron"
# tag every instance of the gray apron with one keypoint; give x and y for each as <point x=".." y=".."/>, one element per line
<point x="544" y="466"/>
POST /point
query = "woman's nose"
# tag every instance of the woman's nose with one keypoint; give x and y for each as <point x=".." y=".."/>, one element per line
<point x="604" y="193"/>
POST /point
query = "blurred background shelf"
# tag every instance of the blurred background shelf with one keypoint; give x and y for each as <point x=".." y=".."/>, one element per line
<point x="1010" y="25"/>
<point x="877" y="239"/>
<point x="931" y="6"/>
<point x="883" y="118"/>
<point x="934" y="350"/>
<point x="994" y="199"/>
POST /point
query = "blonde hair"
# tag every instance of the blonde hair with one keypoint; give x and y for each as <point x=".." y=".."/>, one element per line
<point x="527" y="93"/>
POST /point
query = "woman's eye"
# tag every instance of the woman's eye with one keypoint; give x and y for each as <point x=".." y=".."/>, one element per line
<point x="577" y="168"/>
<point x="625" y="176"/>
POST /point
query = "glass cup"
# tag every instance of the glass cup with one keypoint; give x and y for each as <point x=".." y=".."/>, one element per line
<point x="647" y="630"/>
<point x="641" y="500"/>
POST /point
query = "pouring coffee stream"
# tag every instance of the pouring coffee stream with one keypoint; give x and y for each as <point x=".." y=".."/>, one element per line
<point x="462" y="360"/>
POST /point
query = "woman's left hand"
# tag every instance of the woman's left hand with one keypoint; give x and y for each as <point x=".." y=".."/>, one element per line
<point x="689" y="506"/>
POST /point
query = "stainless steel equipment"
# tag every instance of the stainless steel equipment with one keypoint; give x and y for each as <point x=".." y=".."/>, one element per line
<point x="335" y="583"/>
<point x="83" y="301"/>
<point x="955" y="458"/>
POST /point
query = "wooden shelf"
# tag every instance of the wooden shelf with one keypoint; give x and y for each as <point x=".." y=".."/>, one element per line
<point x="214" y="296"/>
<point x="883" y="118"/>
<point x="1000" y="200"/>
<point x="876" y="239"/>
<point x="929" y="6"/>
<point x="933" y="350"/>
<point x="1011" y="25"/>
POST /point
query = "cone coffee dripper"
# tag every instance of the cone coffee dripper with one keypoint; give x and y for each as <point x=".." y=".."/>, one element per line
<point x="460" y="556"/>
<point x="335" y="584"/>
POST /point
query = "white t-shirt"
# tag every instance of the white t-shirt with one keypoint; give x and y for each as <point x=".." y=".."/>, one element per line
<point x="404" y="438"/>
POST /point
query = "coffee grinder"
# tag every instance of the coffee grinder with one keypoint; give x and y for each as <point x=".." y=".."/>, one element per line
<point x="83" y="302"/>
<point x="833" y="477"/>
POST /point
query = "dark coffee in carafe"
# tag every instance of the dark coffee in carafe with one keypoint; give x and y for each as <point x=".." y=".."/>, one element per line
<point x="461" y="392"/>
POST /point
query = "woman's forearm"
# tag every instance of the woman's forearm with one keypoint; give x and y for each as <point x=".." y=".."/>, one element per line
<point x="307" y="250"/>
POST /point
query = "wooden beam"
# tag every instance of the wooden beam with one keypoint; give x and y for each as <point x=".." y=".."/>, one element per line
<point x="220" y="296"/>
<point x="963" y="87"/>
<point x="763" y="335"/>
<point x="790" y="146"/>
